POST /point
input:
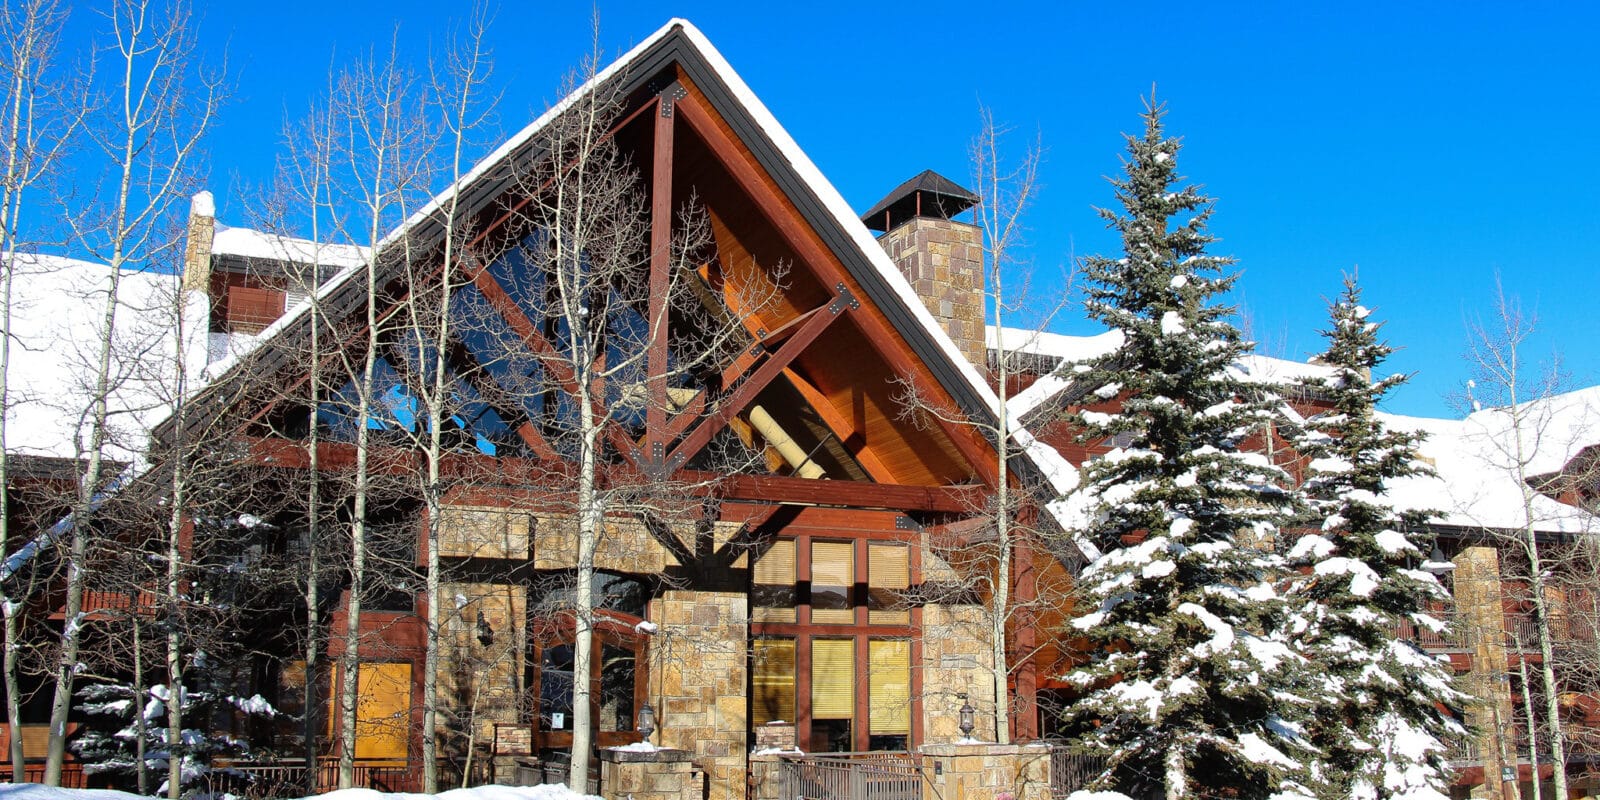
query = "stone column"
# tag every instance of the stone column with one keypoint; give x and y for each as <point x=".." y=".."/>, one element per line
<point x="697" y="682"/>
<point x="943" y="261"/>
<point x="986" y="771"/>
<point x="956" y="659"/>
<point x="1480" y="623"/>
<point x="197" y="249"/>
<point x="665" y="774"/>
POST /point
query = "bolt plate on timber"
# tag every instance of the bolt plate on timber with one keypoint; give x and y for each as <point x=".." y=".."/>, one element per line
<point x="844" y="300"/>
<point x="905" y="523"/>
<point x="670" y="97"/>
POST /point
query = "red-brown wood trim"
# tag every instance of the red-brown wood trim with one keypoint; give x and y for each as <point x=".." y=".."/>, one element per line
<point x="497" y="398"/>
<point x="749" y="388"/>
<point x="660" y="264"/>
<point x="477" y="239"/>
<point x="978" y="453"/>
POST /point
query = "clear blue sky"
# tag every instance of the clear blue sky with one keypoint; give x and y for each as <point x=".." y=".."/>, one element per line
<point x="1434" y="145"/>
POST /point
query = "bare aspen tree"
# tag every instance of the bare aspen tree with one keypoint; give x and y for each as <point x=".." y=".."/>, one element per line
<point x="150" y="136"/>
<point x="382" y="136"/>
<point x="1005" y="190"/>
<point x="459" y="96"/>
<point x="1522" y="426"/>
<point x="37" y="120"/>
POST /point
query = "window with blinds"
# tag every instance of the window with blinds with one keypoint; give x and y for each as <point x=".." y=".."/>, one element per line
<point x="833" y="574"/>
<point x="888" y="579"/>
<point x="889" y="687"/>
<point x="833" y="671"/>
<point x="773" y="591"/>
<point x="772" y="681"/>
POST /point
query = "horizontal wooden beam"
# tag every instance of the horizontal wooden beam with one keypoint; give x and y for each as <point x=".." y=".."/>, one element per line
<point x="847" y="494"/>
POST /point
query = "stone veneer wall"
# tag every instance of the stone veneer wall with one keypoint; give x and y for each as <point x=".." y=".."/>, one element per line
<point x="943" y="260"/>
<point x="659" y="775"/>
<point x="1480" y="619"/>
<point x="986" y="772"/>
<point x="698" y="679"/>
<point x="955" y="659"/>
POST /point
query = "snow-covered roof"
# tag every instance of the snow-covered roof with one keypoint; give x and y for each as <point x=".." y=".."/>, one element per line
<point x="254" y="244"/>
<point x="57" y="321"/>
<point x="1475" y="457"/>
<point x="1477" y="460"/>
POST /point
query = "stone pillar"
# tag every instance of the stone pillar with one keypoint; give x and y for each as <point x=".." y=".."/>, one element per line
<point x="698" y="679"/>
<point x="197" y="250"/>
<point x="943" y="261"/>
<point x="1480" y="622"/>
<point x="665" y="774"/>
<point x="986" y="771"/>
<point x="766" y="780"/>
<point x="955" y="659"/>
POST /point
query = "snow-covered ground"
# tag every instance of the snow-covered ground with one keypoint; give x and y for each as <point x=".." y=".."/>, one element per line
<point x="34" y="791"/>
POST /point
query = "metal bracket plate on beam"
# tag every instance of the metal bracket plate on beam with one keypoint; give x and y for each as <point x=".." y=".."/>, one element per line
<point x="844" y="300"/>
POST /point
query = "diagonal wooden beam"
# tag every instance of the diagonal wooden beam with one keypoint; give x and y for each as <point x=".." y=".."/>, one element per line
<point x="746" y="391"/>
<point x="853" y="440"/>
<point x="499" y="398"/>
<point x="549" y="357"/>
<point x="978" y="453"/>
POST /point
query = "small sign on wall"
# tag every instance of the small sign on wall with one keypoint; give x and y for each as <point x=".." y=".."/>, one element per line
<point x="558" y="721"/>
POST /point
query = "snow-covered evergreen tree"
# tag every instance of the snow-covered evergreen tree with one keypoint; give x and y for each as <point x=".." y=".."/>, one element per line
<point x="109" y="741"/>
<point x="1184" y="693"/>
<point x="1379" y="725"/>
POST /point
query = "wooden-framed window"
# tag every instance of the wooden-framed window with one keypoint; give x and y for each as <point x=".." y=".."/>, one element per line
<point x="833" y="648"/>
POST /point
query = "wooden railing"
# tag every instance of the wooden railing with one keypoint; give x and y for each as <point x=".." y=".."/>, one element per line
<point x="72" y="776"/>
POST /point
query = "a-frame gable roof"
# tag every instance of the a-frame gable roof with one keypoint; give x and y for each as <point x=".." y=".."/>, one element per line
<point x="820" y="206"/>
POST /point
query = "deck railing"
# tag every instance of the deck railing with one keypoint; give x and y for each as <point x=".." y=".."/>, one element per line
<point x="851" y="776"/>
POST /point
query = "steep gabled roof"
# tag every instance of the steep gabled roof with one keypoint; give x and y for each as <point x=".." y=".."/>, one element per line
<point x="797" y="178"/>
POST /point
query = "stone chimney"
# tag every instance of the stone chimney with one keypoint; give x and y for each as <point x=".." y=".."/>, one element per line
<point x="197" y="252"/>
<point x="940" y="257"/>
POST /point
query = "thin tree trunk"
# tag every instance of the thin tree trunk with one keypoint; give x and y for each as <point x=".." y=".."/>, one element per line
<point x="140" y="729"/>
<point x="1533" y="726"/>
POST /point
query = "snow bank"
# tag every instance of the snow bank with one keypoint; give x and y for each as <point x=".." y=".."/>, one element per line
<point x="34" y="791"/>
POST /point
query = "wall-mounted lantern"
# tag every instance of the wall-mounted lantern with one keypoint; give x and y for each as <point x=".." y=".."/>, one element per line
<point x="485" y="633"/>
<point x="647" y="721"/>
<point x="968" y="714"/>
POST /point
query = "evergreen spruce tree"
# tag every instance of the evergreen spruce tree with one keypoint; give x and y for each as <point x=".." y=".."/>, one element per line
<point x="109" y="742"/>
<point x="1379" y="725"/>
<point x="1184" y="694"/>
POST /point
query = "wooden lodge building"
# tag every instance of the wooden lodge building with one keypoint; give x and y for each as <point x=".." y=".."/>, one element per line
<point x="793" y="557"/>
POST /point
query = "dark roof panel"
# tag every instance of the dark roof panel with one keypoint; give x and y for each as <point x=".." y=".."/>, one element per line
<point x="928" y="194"/>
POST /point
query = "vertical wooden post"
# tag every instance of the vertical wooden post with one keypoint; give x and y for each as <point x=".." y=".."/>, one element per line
<point x="660" y="280"/>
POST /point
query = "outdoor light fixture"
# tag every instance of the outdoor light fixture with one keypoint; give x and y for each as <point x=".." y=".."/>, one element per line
<point x="485" y="633"/>
<point x="1437" y="564"/>
<point x="647" y="720"/>
<point x="967" y="714"/>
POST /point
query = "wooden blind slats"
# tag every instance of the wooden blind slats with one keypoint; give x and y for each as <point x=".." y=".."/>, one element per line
<point x="774" y="579"/>
<point x="776" y="566"/>
<point x="889" y="686"/>
<point x="833" y="678"/>
<point x="772" y="681"/>
<point x="888" y="577"/>
<point x="833" y="574"/>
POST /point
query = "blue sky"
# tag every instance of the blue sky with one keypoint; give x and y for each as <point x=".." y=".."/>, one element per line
<point x="1432" y="145"/>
